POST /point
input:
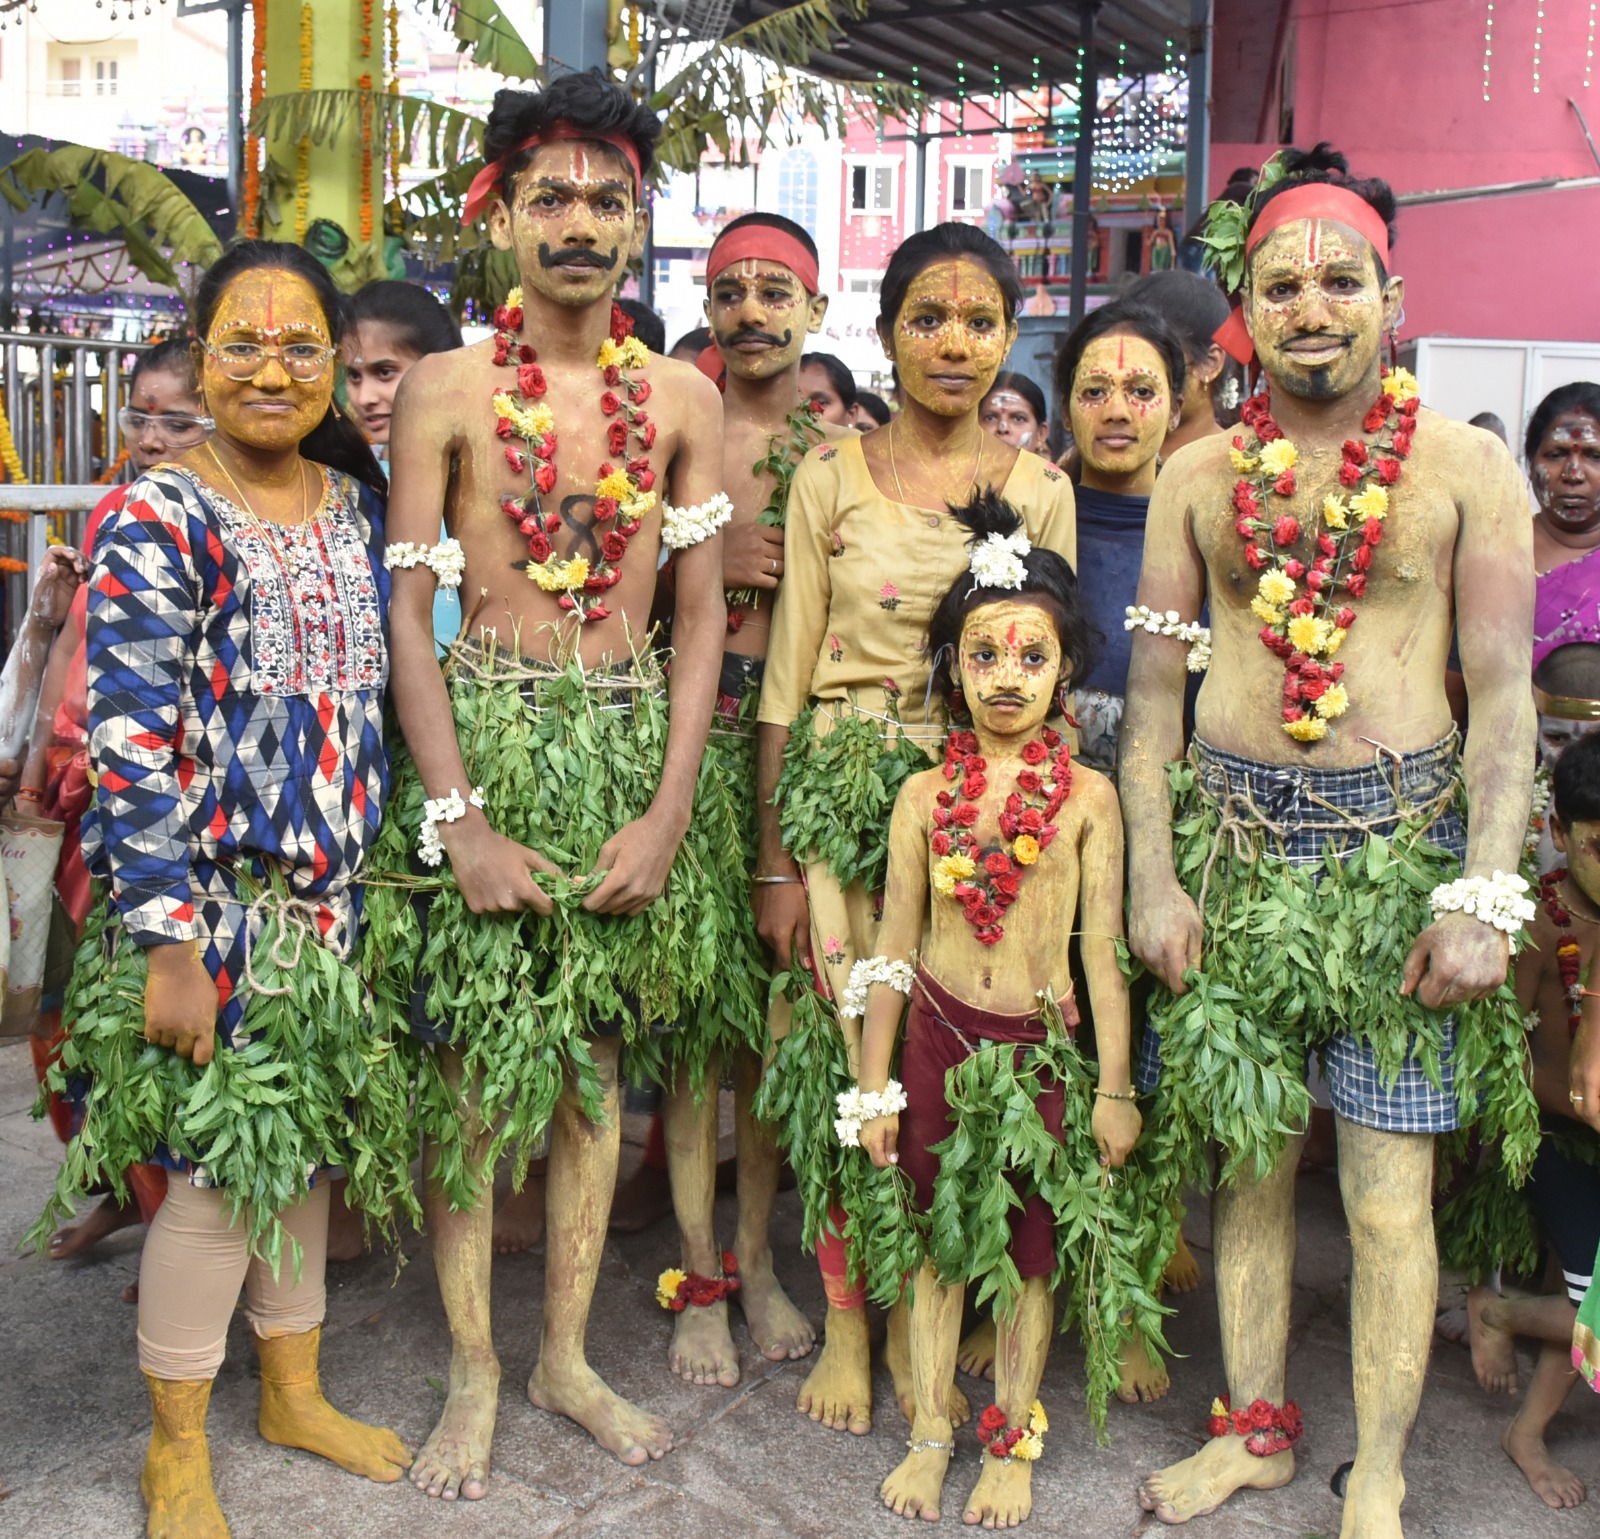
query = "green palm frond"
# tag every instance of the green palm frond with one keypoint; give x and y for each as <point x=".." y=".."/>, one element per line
<point x="483" y="33"/>
<point x="441" y="135"/>
<point x="114" y="195"/>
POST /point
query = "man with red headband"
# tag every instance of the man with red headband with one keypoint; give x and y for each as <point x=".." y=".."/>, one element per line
<point x="531" y="912"/>
<point x="762" y="304"/>
<point x="1304" y="878"/>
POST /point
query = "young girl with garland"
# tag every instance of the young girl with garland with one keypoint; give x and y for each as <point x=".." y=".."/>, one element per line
<point x="996" y="859"/>
<point x="1563" y="1188"/>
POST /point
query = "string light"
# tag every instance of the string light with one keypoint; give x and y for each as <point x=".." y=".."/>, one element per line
<point x="1588" y="48"/>
<point x="1488" y="46"/>
<point x="1538" y="44"/>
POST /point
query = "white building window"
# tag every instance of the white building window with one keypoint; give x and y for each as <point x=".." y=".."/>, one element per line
<point x="71" y="77"/>
<point x="872" y="187"/>
<point x="105" y="77"/>
<point x="797" y="189"/>
<point x="969" y="188"/>
<point x="863" y="283"/>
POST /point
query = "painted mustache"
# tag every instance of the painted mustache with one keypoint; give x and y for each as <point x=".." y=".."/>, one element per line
<point x="753" y="334"/>
<point x="577" y="256"/>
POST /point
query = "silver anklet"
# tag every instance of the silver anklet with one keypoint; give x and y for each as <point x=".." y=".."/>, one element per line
<point x="929" y="1445"/>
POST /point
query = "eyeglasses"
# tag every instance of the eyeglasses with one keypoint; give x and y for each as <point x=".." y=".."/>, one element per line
<point x="241" y="361"/>
<point x="175" y="428"/>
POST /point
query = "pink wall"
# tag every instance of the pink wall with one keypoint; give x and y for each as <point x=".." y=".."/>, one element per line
<point x="1399" y="88"/>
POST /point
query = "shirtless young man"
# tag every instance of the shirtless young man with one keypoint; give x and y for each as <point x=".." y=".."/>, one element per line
<point x="1298" y="749"/>
<point x="560" y="565"/>
<point x="762" y="303"/>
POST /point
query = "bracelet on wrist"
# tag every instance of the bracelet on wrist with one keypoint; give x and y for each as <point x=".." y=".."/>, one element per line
<point x="778" y="881"/>
<point x="857" y="1106"/>
<point x="1500" y="900"/>
<point x="443" y="809"/>
<point x="1117" y="1095"/>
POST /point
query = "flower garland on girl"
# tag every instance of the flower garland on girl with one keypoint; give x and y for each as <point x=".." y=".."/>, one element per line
<point x="1304" y="618"/>
<point x="1569" y="956"/>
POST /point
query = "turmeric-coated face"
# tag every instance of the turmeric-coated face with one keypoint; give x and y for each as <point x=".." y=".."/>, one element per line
<point x="1122" y="407"/>
<point x="1011" y="666"/>
<point x="760" y="314"/>
<point x="951" y="336"/>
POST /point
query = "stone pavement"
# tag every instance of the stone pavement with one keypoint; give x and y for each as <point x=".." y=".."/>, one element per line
<point x="74" y="1416"/>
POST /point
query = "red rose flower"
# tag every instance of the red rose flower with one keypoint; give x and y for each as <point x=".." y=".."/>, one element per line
<point x="502" y="426"/>
<point x="1409" y="408"/>
<point x="546" y="449"/>
<point x="528" y="525"/>
<point x="1008" y="887"/>
<point x="502" y="348"/>
<point x="1316" y="579"/>
<point x="944" y="798"/>
<point x="639" y="389"/>
<point x="1284" y="485"/>
<point x="617" y="437"/>
<point x="1032" y="820"/>
<point x="1388" y="471"/>
<point x="538" y="547"/>
<point x="647" y="478"/>
<point x="992" y="1420"/>
<point x="545" y="478"/>
<point x="1047" y="836"/>
<point x="612" y="375"/>
<point x="1028" y="780"/>
<point x="610" y="403"/>
<point x="605" y="509"/>
<point x="735" y="625"/>
<point x="1349" y="475"/>
<point x="1244" y="527"/>
<point x="998" y="1448"/>
<point x="1286" y="531"/>
<point x="1253" y="558"/>
<point x="552" y="524"/>
<point x="600" y="612"/>
<point x="516" y="459"/>
<point x="612" y="546"/>
<point x="1302" y="606"/>
<point x="1313" y="689"/>
<point x="974" y="786"/>
<point x="1238" y="441"/>
<point x="1345" y="618"/>
<point x="525" y="354"/>
<point x="997" y="864"/>
<point x="966" y="814"/>
<point x="940" y="843"/>
<point x="647" y="435"/>
<point x="1327" y="545"/>
<point x="1294" y="569"/>
<point x="1362" y="558"/>
<point x="1376" y="418"/>
<point x="1372" y="531"/>
<point x="1357" y="584"/>
<point x="1244" y="498"/>
<point x="1354" y="451"/>
<point x="1292" y="713"/>
<point x="1034" y="752"/>
<point x="988" y="913"/>
<point x="530" y="380"/>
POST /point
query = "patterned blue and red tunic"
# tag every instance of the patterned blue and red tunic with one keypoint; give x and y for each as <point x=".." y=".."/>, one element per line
<point x="236" y="674"/>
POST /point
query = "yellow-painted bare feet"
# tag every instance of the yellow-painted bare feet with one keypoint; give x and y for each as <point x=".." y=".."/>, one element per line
<point x="295" y="1414"/>
<point x="1143" y="1377"/>
<point x="781" y="1332"/>
<point x="837" y="1393"/>
<point x="897" y="1358"/>
<point x="176" y="1484"/>
<point x="1200" y="1485"/>
<point x="1494" y="1349"/>
<point x="454" y="1462"/>
<point x="1554" y="1484"/>
<point x="1372" y="1505"/>
<point x="913" y="1490"/>
<point x="519" y="1217"/>
<point x="977" y="1352"/>
<point x="1003" y="1496"/>
<point x="702" y="1346"/>
<point x="1183" y="1271"/>
<point x="617" y="1425"/>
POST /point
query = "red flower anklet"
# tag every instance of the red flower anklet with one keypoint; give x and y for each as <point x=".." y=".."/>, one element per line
<point x="677" y="1290"/>
<point x="1266" y="1428"/>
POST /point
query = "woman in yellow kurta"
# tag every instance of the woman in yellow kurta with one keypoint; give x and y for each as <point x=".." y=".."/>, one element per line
<point x="870" y="547"/>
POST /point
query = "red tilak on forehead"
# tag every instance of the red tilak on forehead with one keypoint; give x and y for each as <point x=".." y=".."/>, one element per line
<point x="1011" y="634"/>
<point x="1312" y="226"/>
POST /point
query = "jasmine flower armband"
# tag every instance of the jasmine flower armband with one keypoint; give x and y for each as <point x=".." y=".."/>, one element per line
<point x="858" y="1106"/>
<point x="683" y="527"/>
<point x="444" y="809"/>
<point x="1141" y="617"/>
<point x="446" y="560"/>
<point x="870" y="970"/>
<point x="1497" y="900"/>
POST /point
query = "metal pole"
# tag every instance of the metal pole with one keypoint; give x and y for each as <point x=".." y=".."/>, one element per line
<point x="919" y="214"/>
<point x="647" y="272"/>
<point x="1083" y="161"/>
<point x="1197" y="156"/>
<point x="236" y="123"/>
<point x="574" y="36"/>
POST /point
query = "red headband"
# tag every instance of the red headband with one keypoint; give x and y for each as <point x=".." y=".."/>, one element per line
<point x="762" y="242"/>
<point x="485" y="185"/>
<point x="1310" y="200"/>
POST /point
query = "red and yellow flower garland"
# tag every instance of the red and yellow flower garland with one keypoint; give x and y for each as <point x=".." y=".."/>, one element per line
<point x="1266" y="1428"/>
<point x="250" y="213"/>
<point x="1004" y="1442"/>
<point x="987" y="885"/>
<point x="1305" y="626"/>
<point x="302" y="168"/>
<point x="678" y="1290"/>
<point x="622" y="497"/>
<point x="1569" y="956"/>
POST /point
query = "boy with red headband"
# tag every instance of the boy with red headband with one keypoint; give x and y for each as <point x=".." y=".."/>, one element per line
<point x="531" y="911"/>
<point x="1316" y="886"/>
<point x="762" y="304"/>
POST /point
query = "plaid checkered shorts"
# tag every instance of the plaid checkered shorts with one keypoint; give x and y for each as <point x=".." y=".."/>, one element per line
<point x="1283" y="792"/>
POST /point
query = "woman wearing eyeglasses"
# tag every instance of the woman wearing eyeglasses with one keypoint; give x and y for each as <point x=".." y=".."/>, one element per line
<point x="236" y="670"/>
<point x="163" y="419"/>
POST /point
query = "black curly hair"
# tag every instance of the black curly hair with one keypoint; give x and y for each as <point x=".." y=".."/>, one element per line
<point x="1323" y="163"/>
<point x="1048" y="581"/>
<point x="586" y="101"/>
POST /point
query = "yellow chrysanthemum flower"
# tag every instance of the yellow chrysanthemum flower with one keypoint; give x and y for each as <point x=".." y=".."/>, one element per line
<point x="610" y="355"/>
<point x="1242" y="462"/>
<point x="1276" y="587"/>
<point x="635" y="355"/>
<point x="1336" y="512"/>
<point x="1029" y="1446"/>
<point x="1401" y="384"/>
<point x="1262" y="610"/>
<point x="539" y="420"/>
<point x="1308" y="634"/>
<point x="559" y="576"/>
<point x="1372" y="503"/>
<point x="514" y="298"/>
<point x="505" y="404"/>
<point x="1218" y="1408"/>
<point x="1025" y="848"/>
<point x="1278" y="456"/>
<point x="1335" y="701"/>
<point x="638" y="506"/>
<point x="617" y="485"/>
<point x="1335" y="641"/>
<point x="1309" y="729"/>
<point x="1037" y="1420"/>
<point x="667" y="1286"/>
<point x="951" y="869"/>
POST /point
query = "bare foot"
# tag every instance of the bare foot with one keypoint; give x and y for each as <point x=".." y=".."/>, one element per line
<point x="914" y="1488"/>
<point x="781" y="1332"/>
<point x="519" y="1218"/>
<point x="1494" y="1350"/>
<point x="1372" y="1506"/>
<point x="108" y="1216"/>
<point x="176" y="1483"/>
<point x="1143" y="1378"/>
<point x="130" y="1294"/>
<point x="645" y="1198"/>
<point x="454" y="1462"/>
<point x="618" y="1426"/>
<point x="897" y="1358"/>
<point x="297" y="1416"/>
<point x="1003" y="1496"/>
<point x="1203" y="1483"/>
<point x="837" y="1393"/>
<point x="1183" y="1271"/>
<point x="347" y="1240"/>
<point x="976" y="1353"/>
<point x="1553" y="1484"/>
<point x="702" y="1346"/>
<point x="1451" y="1325"/>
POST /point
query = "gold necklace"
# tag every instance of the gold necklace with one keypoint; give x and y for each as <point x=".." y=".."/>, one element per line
<point x="245" y="503"/>
<point x="900" y="491"/>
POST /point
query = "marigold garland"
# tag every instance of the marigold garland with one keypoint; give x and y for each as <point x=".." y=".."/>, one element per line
<point x="1569" y="955"/>
<point x="302" y="170"/>
<point x="394" y="90"/>
<point x="365" y="83"/>
<point x="1266" y="1428"/>
<point x="622" y="497"/>
<point x="366" y="29"/>
<point x="1305" y="628"/>
<point x="986" y="884"/>
<point x="678" y="1290"/>
<point x="1001" y="1441"/>
<point x="250" y="213"/>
